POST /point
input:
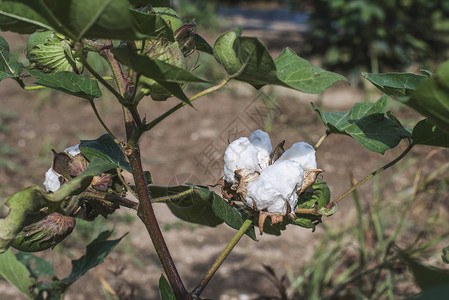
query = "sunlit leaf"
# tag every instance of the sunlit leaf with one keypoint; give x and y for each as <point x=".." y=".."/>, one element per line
<point x="16" y="273"/>
<point x="395" y="84"/>
<point x="299" y="74"/>
<point x="366" y="122"/>
<point x="248" y="60"/>
<point x="70" y="83"/>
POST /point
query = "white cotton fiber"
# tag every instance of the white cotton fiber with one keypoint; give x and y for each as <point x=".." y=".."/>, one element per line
<point x="275" y="187"/>
<point x="261" y="140"/>
<point x="74" y="150"/>
<point x="240" y="154"/>
<point x="51" y="182"/>
<point x="303" y="153"/>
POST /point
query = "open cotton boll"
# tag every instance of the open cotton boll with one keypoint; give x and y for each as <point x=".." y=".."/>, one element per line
<point x="261" y="140"/>
<point x="51" y="182"/>
<point x="240" y="154"/>
<point x="275" y="187"/>
<point x="74" y="150"/>
<point x="303" y="153"/>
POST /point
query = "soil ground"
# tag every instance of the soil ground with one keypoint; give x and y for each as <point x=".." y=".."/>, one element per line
<point x="177" y="150"/>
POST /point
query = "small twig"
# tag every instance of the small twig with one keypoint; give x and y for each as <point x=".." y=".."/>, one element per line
<point x="210" y="273"/>
<point x="103" y="81"/>
<point x="377" y="172"/>
<point x="156" y="121"/>
<point x="94" y="108"/>
<point x="130" y="189"/>
<point x="321" y="140"/>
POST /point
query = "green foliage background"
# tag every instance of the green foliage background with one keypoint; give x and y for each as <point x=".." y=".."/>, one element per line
<point x="368" y="33"/>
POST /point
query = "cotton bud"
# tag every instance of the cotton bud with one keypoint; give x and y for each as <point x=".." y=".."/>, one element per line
<point x="241" y="154"/>
<point x="44" y="234"/>
<point x="275" y="190"/>
<point x="261" y="140"/>
<point x="303" y="153"/>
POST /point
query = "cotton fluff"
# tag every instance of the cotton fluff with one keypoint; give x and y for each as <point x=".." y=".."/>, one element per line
<point x="261" y="140"/>
<point x="51" y="182"/>
<point x="74" y="150"/>
<point x="240" y="154"/>
<point x="303" y="153"/>
<point x="276" y="186"/>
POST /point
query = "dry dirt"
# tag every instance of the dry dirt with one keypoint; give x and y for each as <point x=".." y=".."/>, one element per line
<point x="177" y="149"/>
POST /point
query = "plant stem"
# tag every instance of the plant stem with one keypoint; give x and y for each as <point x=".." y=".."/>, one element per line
<point x="102" y="81"/>
<point x="321" y="140"/>
<point x="146" y="214"/>
<point x="377" y="172"/>
<point x="208" y="276"/>
<point x="193" y="98"/>
<point x="94" y="108"/>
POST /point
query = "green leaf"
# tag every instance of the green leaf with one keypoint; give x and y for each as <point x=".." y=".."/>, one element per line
<point x="190" y="203"/>
<point x="231" y="215"/>
<point x="431" y="97"/>
<point x="167" y="75"/>
<point x="27" y="203"/>
<point x="425" y="276"/>
<point x="426" y="133"/>
<point x="16" y="273"/>
<point x="366" y="122"/>
<point x="165" y="291"/>
<point x="299" y="74"/>
<point x="248" y="60"/>
<point x="36" y="266"/>
<point x="9" y="67"/>
<point x="433" y="293"/>
<point x="395" y="84"/>
<point x="96" y="252"/>
<point x="202" y="45"/>
<point x="74" y="19"/>
<point x="103" y="154"/>
<point x="70" y="83"/>
<point x="152" y="25"/>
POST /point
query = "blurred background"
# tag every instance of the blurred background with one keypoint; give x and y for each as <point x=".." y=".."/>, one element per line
<point x="350" y="255"/>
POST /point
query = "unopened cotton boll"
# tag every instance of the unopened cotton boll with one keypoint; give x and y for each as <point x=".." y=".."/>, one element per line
<point x="303" y="153"/>
<point x="240" y="154"/>
<point x="275" y="187"/>
<point x="261" y="140"/>
<point x="74" y="150"/>
<point x="51" y="182"/>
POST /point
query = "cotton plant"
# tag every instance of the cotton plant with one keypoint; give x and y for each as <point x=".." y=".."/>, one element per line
<point x="268" y="182"/>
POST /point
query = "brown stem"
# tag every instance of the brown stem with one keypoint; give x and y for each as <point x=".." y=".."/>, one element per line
<point x="146" y="214"/>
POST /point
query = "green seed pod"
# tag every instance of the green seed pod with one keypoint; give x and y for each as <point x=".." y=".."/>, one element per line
<point x="170" y="17"/>
<point x="44" y="234"/>
<point x="50" y="52"/>
<point x="168" y="53"/>
<point x="185" y="36"/>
